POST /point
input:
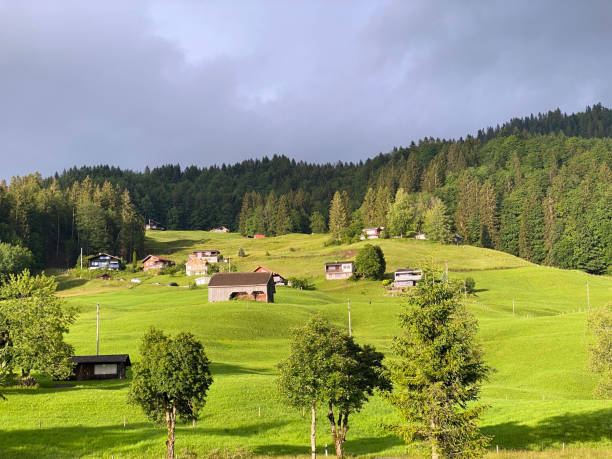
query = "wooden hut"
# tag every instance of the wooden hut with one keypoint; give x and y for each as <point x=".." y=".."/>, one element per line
<point x="407" y="277"/>
<point x="100" y="366"/>
<point x="250" y="286"/>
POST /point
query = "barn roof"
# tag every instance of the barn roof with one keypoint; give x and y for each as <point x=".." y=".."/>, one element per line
<point x="102" y="254"/>
<point x="155" y="256"/>
<point x="113" y="358"/>
<point x="235" y="279"/>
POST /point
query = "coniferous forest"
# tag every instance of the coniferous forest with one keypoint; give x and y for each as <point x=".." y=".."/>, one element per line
<point x="538" y="187"/>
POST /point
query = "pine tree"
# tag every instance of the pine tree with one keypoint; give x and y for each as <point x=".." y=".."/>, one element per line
<point x="368" y="208"/>
<point x="382" y="205"/>
<point x="436" y="223"/>
<point x="489" y="221"/>
<point x="283" y="220"/>
<point x="338" y="215"/>
<point x="400" y="219"/>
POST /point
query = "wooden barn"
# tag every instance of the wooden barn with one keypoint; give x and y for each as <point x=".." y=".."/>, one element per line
<point x="339" y="270"/>
<point x="100" y="366"/>
<point x="278" y="279"/>
<point x="249" y="286"/>
<point x="151" y="262"/>
<point x="104" y="261"/>
<point x="407" y="277"/>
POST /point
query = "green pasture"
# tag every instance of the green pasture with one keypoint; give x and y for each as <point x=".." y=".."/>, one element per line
<point x="540" y="396"/>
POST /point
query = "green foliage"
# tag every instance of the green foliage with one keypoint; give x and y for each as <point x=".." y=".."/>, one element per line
<point x="301" y="283"/>
<point x="171" y="380"/>
<point x="370" y="262"/>
<point x="600" y="358"/>
<point x="339" y="215"/>
<point x="33" y="321"/>
<point x="241" y="252"/>
<point x="400" y="219"/>
<point x="317" y="223"/>
<point x="14" y="259"/>
<point x="439" y="371"/>
<point x="436" y="224"/>
<point x="470" y="285"/>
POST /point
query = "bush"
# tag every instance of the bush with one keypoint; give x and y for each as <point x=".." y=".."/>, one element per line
<point x="241" y="252"/>
<point x="301" y="283"/>
<point x="387" y="282"/>
<point x="470" y="285"/>
<point x="370" y="262"/>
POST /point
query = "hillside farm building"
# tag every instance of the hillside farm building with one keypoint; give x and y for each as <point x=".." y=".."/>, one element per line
<point x="339" y="270"/>
<point x="371" y="233"/>
<point x="196" y="267"/>
<point x="407" y="277"/>
<point x="100" y="366"/>
<point x="211" y="256"/>
<point x="104" y="261"/>
<point x="220" y="229"/>
<point x="151" y="262"/>
<point x="248" y="286"/>
<point x="278" y="279"/>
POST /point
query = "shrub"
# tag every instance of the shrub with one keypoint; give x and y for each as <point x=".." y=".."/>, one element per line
<point x="387" y="282"/>
<point x="470" y="285"/>
<point x="301" y="283"/>
<point x="370" y="262"/>
<point x="241" y="252"/>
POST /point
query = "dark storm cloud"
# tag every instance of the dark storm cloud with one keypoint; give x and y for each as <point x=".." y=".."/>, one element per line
<point x="203" y="83"/>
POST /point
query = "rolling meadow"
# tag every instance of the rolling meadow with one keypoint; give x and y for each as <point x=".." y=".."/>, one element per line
<point x="532" y="326"/>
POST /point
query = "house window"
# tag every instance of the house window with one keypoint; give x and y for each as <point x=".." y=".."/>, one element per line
<point x="105" y="369"/>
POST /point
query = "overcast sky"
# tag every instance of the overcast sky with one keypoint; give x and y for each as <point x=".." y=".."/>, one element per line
<point x="136" y="83"/>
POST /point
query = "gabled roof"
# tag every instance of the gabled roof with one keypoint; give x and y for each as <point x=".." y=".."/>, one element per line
<point x="112" y="358"/>
<point x="156" y="256"/>
<point x="235" y="279"/>
<point x="104" y="254"/>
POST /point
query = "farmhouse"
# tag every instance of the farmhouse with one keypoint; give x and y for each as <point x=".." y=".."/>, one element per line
<point x="407" y="277"/>
<point x="250" y="286"/>
<point x="100" y="366"/>
<point x="211" y="256"/>
<point x="154" y="262"/>
<point x="372" y="233"/>
<point x="278" y="279"/>
<point x="220" y="229"/>
<point x="196" y="267"/>
<point x="153" y="225"/>
<point x="104" y="261"/>
<point x="339" y="270"/>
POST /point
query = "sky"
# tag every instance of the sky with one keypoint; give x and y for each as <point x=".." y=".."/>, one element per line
<point x="137" y="83"/>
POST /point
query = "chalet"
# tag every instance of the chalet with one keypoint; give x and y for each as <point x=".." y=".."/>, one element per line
<point x="100" y="366"/>
<point x="220" y="229"/>
<point x="407" y="277"/>
<point x="278" y="279"/>
<point x="339" y="270"/>
<point x="153" y="225"/>
<point x="211" y="256"/>
<point x="249" y="286"/>
<point x="421" y="236"/>
<point x="196" y="267"/>
<point x="151" y="262"/>
<point x="372" y="233"/>
<point x="104" y="261"/>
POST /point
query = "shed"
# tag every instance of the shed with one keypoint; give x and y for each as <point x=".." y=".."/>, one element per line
<point x="339" y="270"/>
<point x="153" y="225"/>
<point x="372" y="233"/>
<point x="250" y="286"/>
<point x="278" y="279"/>
<point x="154" y="262"/>
<point x="104" y="261"/>
<point x="220" y="229"/>
<point x="407" y="277"/>
<point x="100" y="366"/>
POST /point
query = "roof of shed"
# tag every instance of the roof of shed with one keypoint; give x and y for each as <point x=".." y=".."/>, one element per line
<point x="113" y="358"/>
<point x="234" y="279"/>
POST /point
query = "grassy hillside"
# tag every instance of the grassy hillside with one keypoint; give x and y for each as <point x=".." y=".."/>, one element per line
<point x="539" y="396"/>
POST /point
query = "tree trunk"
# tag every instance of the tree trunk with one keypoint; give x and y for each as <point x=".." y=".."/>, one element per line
<point x="434" y="449"/>
<point x="170" y="425"/>
<point x="345" y="427"/>
<point x="335" y="430"/>
<point x="313" y="431"/>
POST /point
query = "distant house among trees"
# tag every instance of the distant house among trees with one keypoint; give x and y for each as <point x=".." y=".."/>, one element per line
<point x="151" y="262"/>
<point x="372" y="233"/>
<point x="154" y="225"/>
<point x="407" y="277"/>
<point x="104" y="261"/>
<point x="339" y="270"/>
<point x="100" y="366"/>
<point x="278" y="279"/>
<point x="220" y="229"/>
<point x="249" y="286"/>
<point x="421" y="236"/>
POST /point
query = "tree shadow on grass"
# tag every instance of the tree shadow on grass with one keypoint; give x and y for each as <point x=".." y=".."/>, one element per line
<point x="50" y="386"/>
<point x="359" y="446"/>
<point x="567" y="428"/>
<point x="169" y="247"/>
<point x="67" y="284"/>
<point x="231" y="369"/>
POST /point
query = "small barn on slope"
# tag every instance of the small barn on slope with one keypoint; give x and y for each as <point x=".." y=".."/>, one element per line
<point x="248" y="286"/>
<point x="100" y="366"/>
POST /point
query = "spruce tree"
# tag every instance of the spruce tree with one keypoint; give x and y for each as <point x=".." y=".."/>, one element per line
<point x="338" y="215"/>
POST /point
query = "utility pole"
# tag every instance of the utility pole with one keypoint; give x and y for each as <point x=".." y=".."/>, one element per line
<point x="98" y="329"/>
<point x="349" y="317"/>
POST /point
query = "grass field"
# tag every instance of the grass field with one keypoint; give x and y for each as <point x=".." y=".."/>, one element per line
<point x="540" y="396"/>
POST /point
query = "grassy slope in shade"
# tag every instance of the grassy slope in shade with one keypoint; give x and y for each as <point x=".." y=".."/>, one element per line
<point x="540" y="395"/>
